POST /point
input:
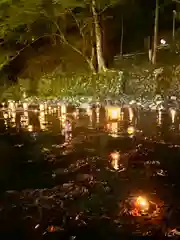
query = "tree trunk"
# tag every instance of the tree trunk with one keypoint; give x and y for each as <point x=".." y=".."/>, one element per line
<point x="155" y="32"/>
<point x="122" y="37"/>
<point x="174" y="25"/>
<point x="100" y="58"/>
<point x="150" y="51"/>
<point x="93" y="47"/>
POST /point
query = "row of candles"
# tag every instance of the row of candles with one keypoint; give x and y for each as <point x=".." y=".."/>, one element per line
<point x="113" y="115"/>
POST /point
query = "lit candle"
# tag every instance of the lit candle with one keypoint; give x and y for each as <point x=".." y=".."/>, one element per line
<point x="131" y="114"/>
<point x="173" y="114"/>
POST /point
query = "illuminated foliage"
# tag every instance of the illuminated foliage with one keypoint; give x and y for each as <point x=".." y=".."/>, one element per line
<point x="18" y="17"/>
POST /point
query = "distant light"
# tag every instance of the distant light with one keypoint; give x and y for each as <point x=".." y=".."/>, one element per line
<point x="113" y="113"/>
<point x="30" y="128"/>
<point x="115" y="160"/>
<point x="131" y="115"/>
<point x="115" y="155"/>
<point x="173" y="114"/>
<point x="131" y="130"/>
<point x="163" y="41"/>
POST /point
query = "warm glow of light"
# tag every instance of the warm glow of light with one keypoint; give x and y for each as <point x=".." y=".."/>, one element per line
<point x="6" y="123"/>
<point x="89" y="111"/>
<point x="122" y="116"/>
<point x="30" y="128"/>
<point x="115" y="157"/>
<point x="97" y="114"/>
<point x="131" y="114"/>
<point x="142" y="202"/>
<point x="24" y="119"/>
<point x="113" y="112"/>
<point x="42" y="120"/>
<point x="76" y="113"/>
<point x="159" y="117"/>
<point x="5" y="115"/>
<point x="13" y="118"/>
<point x="173" y="114"/>
<point x="163" y="41"/>
<point x="42" y="114"/>
<point x="63" y="109"/>
<point x="13" y="114"/>
<point x="62" y="121"/>
<point x="25" y="106"/>
<point x="41" y="107"/>
<point x="131" y="130"/>
<point x="68" y="136"/>
<point x="11" y="106"/>
<point x="26" y="113"/>
<point x="24" y="95"/>
<point x="114" y="127"/>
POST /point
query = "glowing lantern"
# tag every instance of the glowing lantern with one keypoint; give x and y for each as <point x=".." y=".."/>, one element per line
<point x="113" y="113"/>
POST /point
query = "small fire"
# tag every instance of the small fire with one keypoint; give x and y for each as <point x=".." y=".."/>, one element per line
<point x="142" y="203"/>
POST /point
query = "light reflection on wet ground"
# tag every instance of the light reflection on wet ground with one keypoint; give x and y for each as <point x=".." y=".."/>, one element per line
<point x="85" y="164"/>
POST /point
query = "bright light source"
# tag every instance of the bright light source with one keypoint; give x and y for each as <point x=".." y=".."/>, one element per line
<point x="163" y="41"/>
<point x="115" y="160"/>
<point x="113" y="113"/>
<point x="131" y="130"/>
<point x="115" y="155"/>
<point x="173" y="114"/>
<point x="142" y="202"/>
<point x="25" y="106"/>
<point x="30" y="128"/>
<point x="131" y="114"/>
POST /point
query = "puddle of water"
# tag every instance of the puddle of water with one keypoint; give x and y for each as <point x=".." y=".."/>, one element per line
<point x="84" y="164"/>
